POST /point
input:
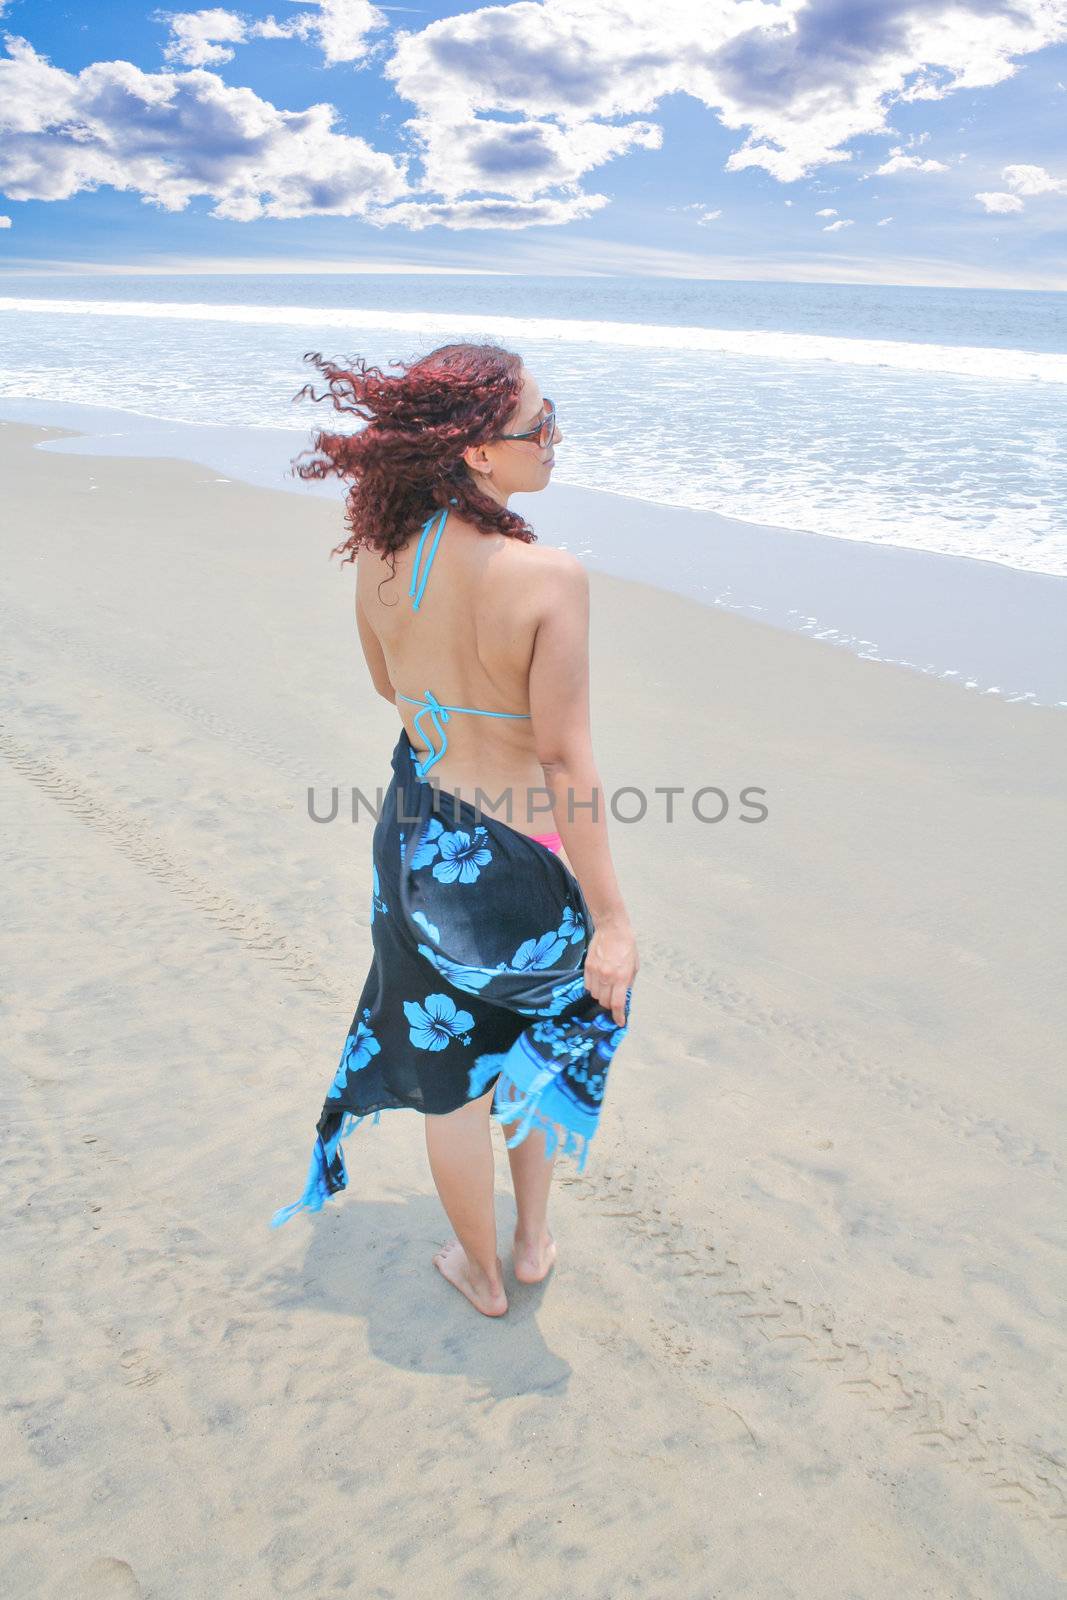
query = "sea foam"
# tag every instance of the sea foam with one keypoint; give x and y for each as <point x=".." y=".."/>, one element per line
<point x="973" y="361"/>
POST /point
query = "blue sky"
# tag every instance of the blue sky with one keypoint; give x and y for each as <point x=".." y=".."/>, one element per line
<point x="900" y="141"/>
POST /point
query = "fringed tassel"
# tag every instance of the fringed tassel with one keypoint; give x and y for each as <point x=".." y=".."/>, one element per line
<point x="317" y="1190"/>
<point x="576" y="1143"/>
<point x="525" y="1105"/>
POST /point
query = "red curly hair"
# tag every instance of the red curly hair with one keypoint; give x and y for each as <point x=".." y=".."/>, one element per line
<point x="408" y="461"/>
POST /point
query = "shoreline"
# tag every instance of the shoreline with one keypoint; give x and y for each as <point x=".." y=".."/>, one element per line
<point x="976" y="623"/>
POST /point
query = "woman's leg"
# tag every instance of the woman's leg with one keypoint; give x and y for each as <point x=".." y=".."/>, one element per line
<point x="460" y="1147"/>
<point x="531" y="1177"/>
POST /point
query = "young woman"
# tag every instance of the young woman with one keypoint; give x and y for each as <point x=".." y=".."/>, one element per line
<point x="503" y="954"/>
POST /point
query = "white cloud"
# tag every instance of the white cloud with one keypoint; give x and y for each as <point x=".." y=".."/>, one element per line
<point x="899" y="162"/>
<point x="519" y="160"/>
<point x="171" y="135"/>
<point x="799" y="78"/>
<point x="884" y="222"/>
<point x="835" y="227"/>
<point x="513" y="103"/>
<point x="828" y="212"/>
<point x="1028" y="181"/>
<point x="1023" y="181"/>
<point x="495" y="214"/>
<point x="710" y="216"/>
<point x="1000" y="202"/>
<point x="338" y="27"/>
<point x="199" y="38"/>
<point x="5" y="222"/>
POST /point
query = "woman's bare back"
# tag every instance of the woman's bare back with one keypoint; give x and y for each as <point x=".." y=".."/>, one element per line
<point x="470" y="643"/>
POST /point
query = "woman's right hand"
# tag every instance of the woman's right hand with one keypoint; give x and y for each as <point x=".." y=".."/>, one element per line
<point x="611" y="963"/>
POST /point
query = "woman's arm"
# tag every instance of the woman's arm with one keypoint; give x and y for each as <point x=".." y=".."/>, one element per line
<point x="559" y="711"/>
<point x="375" y="655"/>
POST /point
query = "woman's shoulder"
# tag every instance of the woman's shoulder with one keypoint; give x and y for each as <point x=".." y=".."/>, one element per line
<point x="555" y="570"/>
<point x="549" y="559"/>
<point x="507" y="567"/>
<point x="543" y="574"/>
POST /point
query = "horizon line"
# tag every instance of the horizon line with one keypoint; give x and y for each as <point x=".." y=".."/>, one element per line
<point x="934" y="275"/>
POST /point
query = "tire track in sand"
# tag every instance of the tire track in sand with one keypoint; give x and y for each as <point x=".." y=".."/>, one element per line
<point x="84" y="647"/>
<point x="253" y="930"/>
<point x="1026" y="1481"/>
<point x="831" y="1052"/>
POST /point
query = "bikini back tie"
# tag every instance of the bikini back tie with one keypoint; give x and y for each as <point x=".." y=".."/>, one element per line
<point x="429" y="704"/>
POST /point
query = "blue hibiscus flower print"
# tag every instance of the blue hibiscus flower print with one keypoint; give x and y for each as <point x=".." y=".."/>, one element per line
<point x="572" y="928"/>
<point x="562" y="1040"/>
<point x="472" y="979"/>
<point x="424" y="922"/>
<point x="574" y="1049"/>
<point x="463" y="856"/>
<point x="359" y="1049"/>
<point x="377" y="903"/>
<point x="563" y="995"/>
<point x="591" y="1080"/>
<point x="611" y="1035"/>
<point x="426" y="849"/>
<point x="542" y="952"/>
<point x="435" y="1024"/>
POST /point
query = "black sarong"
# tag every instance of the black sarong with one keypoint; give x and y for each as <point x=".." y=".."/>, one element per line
<point x="480" y="935"/>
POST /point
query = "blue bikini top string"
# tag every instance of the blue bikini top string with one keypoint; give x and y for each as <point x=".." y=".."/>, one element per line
<point x="429" y="704"/>
<point x="429" y="561"/>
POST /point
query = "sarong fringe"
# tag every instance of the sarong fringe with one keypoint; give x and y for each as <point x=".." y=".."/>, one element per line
<point x="317" y="1189"/>
<point x="512" y="1102"/>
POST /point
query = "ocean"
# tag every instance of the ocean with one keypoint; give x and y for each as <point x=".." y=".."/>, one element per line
<point x="925" y="419"/>
<point x="935" y="419"/>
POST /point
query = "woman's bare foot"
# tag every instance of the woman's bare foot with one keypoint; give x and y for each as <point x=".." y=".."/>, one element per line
<point x="534" y="1259"/>
<point x="452" y="1263"/>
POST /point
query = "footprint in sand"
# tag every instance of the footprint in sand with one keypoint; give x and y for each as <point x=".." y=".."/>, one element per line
<point x="105" y="1578"/>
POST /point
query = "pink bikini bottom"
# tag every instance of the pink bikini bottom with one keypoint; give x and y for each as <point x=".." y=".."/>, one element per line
<point x="551" y="841"/>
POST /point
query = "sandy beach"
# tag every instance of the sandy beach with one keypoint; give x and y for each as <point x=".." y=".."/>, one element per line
<point x="805" y="1337"/>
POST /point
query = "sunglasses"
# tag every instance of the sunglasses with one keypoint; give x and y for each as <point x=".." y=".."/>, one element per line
<point x="544" y="431"/>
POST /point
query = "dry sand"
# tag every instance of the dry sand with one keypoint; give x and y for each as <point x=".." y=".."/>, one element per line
<point x="806" y="1333"/>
